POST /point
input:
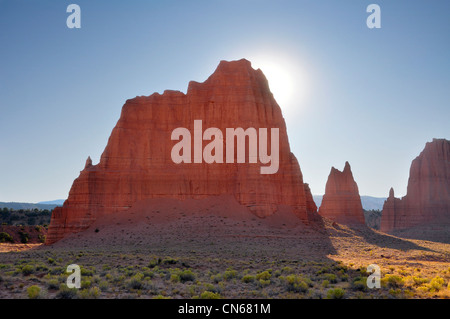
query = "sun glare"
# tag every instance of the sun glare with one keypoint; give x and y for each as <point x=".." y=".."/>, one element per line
<point x="284" y="83"/>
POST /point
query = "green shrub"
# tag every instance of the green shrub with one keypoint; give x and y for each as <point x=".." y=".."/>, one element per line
<point x="175" y="278"/>
<point x="336" y="293"/>
<point x="86" y="272"/>
<point x="91" y="293"/>
<point x="6" y="238"/>
<point x="263" y="282"/>
<point x="169" y="261"/>
<point x="287" y="270"/>
<point x="66" y="292"/>
<point x="330" y="277"/>
<point x="296" y="283"/>
<point x="419" y="281"/>
<point x="53" y="284"/>
<point x="85" y="284"/>
<point x="325" y="283"/>
<point x="23" y="237"/>
<point x="229" y="274"/>
<point x="187" y="275"/>
<point x="392" y="281"/>
<point x="34" y="292"/>
<point x="210" y="295"/>
<point x="27" y="270"/>
<point x="135" y="282"/>
<point x="265" y="275"/>
<point x="359" y="284"/>
<point x="436" y="284"/>
<point x="217" y="278"/>
<point x="248" y="278"/>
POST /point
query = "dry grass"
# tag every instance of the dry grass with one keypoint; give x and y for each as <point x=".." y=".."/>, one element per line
<point x="217" y="257"/>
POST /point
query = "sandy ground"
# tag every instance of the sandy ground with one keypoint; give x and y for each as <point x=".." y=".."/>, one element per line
<point x="219" y="225"/>
<point x="221" y="229"/>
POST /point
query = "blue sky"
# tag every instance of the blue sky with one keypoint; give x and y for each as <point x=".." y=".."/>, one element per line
<point x="372" y="97"/>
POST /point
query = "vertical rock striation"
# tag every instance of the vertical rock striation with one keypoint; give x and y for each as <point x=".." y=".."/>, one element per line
<point x="428" y="193"/>
<point x="136" y="163"/>
<point x="341" y="201"/>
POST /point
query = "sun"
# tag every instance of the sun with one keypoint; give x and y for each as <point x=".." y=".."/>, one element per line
<point x="285" y="81"/>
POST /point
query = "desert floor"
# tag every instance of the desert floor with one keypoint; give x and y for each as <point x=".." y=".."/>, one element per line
<point x="203" y="251"/>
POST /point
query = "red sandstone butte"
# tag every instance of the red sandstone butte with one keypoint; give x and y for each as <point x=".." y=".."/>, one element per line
<point x="341" y="201"/>
<point x="136" y="163"/>
<point x="427" y="199"/>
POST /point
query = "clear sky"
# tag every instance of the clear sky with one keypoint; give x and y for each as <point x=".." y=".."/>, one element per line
<point x="372" y="97"/>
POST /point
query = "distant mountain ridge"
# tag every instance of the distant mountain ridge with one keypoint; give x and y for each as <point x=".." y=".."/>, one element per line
<point x="368" y="202"/>
<point x="41" y="205"/>
<point x="57" y="202"/>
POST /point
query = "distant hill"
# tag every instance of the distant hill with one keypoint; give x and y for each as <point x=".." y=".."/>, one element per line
<point x="58" y="202"/>
<point x="17" y="206"/>
<point x="368" y="202"/>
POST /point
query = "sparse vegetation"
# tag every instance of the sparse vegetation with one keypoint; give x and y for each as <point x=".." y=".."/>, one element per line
<point x="336" y="293"/>
<point x="33" y="292"/>
<point x="144" y="273"/>
<point x="6" y="238"/>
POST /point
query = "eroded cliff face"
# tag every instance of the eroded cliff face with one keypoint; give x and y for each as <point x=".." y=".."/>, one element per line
<point x="428" y="194"/>
<point x="136" y="163"/>
<point x="341" y="201"/>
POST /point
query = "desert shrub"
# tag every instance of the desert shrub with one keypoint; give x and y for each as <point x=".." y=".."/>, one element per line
<point x="265" y="275"/>
<point x="41" y="267"/>
<point x="229" y="274"/>
<point x="436" y="284"/>
<point x="57" y="271"/>
<point x="212" y="288"/>
<point x="85" y="284"/>
<point x="210" y="295"/>
<point x="135" y="282"/>
<point x="217" y="278"/>
<point x="419" y="281"/>
<point x="23" y="237"/>
<point x="154" y="262"/>
<point x="161" y="297"/>
<point x="295" y="283"/>
<point x="330" y="277"/>
<point x="359" y="284"/>
<point x="323" y="270"/>
<point x="263" y="282"/>
<point x="175" y="278"/>
<point x="395" y="292"/>
<point x="51" y="261"/>
<point x="187" y="275"/>
<point x="34" y="292"/>
<point x="103" y="285"/>
<point x="91" y="293"/>
<point x="148" y="274"/>
<point x="336" y="293"/>
<point x="169" y="261"/>
<point x="53" y="284"/>
<point x="6" y="238"/>
<point x="287" y="270"/>
<point x="325" y="283"/>
<point x="66" y="292"/>
<point x="392" y="281"/>
<point x="86" y="272"/>
<point x="27" y="270"/>
<point x="248" y="278"/>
